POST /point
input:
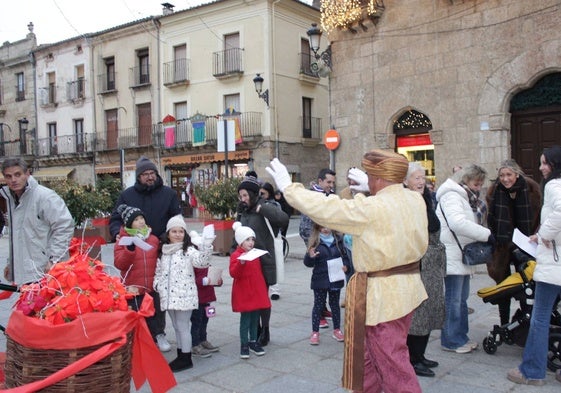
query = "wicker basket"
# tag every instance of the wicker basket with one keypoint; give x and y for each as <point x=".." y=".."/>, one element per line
<point x="111" y="374"/>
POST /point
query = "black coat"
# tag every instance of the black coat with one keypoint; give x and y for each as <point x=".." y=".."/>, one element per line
<point x="320" y="274"/>
<point x="159" y="203"/>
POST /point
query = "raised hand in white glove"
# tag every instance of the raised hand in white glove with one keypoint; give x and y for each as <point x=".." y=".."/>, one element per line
<point x="360" y="178"/>
<point x="196" y="239"/>
<point x="279" y="173"/>
<point x="208" y="235"/>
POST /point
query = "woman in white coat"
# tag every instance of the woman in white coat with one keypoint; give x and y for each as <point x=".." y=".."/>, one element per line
<point x="547" y="274"/>
<point x="459" y="210"/>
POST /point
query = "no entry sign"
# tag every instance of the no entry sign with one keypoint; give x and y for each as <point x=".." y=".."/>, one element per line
<point x="332" y="139"/>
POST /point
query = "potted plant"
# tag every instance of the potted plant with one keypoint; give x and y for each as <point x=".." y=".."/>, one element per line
<point x="220" y="199"/>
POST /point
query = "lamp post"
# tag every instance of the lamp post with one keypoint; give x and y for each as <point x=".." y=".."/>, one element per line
<point x="324" y="69"/>
<point x="23" y="125"/>
<point x="258" y="81"/>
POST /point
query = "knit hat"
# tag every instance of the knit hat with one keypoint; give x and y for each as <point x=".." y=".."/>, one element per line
<point x="144" y="164"/>
<point x="250" y="183"/>
<point x="386" y="165"/>
<point x="242" y="233"/>
<point x="176" y="221"/>
<point x="128" y="214"/>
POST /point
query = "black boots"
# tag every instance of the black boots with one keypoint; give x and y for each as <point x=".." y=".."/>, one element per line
<point x="264" y="337"/>
<point x="182" y="362"/>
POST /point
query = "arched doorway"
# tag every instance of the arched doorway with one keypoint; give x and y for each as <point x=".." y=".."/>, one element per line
<point x="413" y="139"/>
<point x="536" y="122"/>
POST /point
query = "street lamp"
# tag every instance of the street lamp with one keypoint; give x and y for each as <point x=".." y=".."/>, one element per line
<point x="258" y="81"/>
<point x="324" y="68"/>
<point x="23" y="124"/>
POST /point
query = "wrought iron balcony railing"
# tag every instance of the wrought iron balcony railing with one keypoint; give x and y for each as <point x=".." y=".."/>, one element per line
<point x="227" y="62"/>
<point x="176" y="71"/>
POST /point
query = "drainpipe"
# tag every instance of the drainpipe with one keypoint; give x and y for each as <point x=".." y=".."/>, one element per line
<point x="273" y="87"/>
<point x="158" y="89"/>
<point x="91" y="47"/>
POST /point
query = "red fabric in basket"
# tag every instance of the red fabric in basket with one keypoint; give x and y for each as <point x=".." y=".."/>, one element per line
<point x="92" y="329"/>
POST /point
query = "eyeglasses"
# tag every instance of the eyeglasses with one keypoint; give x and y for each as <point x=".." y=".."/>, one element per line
<point x="148" y="174"/>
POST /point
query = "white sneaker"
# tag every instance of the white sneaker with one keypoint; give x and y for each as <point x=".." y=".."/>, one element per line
<point x="473" y="345"/>
<point x="163" y="344"/>
<point x="466" y="348"/>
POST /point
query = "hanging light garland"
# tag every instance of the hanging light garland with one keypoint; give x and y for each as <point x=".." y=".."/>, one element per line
<point x="343" y="14"/>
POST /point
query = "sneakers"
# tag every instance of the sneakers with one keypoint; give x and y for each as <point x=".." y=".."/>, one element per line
<point x="323" y="324"/>
<point x="473" y="345"/>
<point x="514" y="375"/>
<point x="338" y="335"/>
<point x="314" y="338"/>
<point x="209" y="347"/>
<point x="256" y="348"/>
<point x="200" y="351"/>
<point x="163" y="344"/>
<point x="244" y="352"/>
<point x="326" y="314"/>
<point x="466" y="348"/>
<point x="275" y="296"/>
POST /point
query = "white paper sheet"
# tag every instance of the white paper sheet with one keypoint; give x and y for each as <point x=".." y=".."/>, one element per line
<point x="523" y="242"/>
<point x="128" y="240"/>
<point x="252" y="254"/>
<point x="214" y="275"/>
<point x="335" y="269"/>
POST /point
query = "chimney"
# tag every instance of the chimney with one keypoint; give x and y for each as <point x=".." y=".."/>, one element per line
<point x="168" y="8"/>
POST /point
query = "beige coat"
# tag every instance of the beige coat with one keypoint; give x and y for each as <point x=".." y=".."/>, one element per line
<point x="388" y="229"/>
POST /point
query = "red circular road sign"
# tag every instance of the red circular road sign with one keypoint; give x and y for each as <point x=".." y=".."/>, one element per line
<point x="331" y="139"/>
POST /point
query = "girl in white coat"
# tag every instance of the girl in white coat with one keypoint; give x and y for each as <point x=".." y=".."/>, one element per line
<point x="175" y="282"/>
<point x="459" y="210"/>
<point x="547" y="274"/>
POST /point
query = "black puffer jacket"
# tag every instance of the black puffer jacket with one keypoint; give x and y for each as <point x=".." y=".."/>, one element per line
<point x="320" y="274"/>
<point x="158" y="202"/>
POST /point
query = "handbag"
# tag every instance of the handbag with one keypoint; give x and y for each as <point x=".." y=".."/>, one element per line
<point x="279" y="254"/>
<point x="476" y="253"/>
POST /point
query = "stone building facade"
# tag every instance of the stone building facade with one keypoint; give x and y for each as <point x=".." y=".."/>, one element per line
<point x="462" y="64"/>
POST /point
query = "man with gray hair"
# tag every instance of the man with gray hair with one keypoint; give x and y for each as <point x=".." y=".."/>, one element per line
<point x="41" y="225"/>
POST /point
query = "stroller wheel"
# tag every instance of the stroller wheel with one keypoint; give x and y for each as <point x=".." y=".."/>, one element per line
<point x="489" y="345"/>
<point x="554" y="352"/>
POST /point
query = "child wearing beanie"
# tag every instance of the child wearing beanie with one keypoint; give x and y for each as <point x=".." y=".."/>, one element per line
<point x="175" y="282"/>
<point x="137" y="263"/>
<point x="249" y="291"/>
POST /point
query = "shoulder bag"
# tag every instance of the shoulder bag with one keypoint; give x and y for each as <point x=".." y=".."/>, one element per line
<point x="279" y="254"/>
<point x="476" y="253"/>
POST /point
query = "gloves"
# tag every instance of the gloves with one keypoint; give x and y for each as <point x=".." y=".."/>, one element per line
<point x="208" y="235"/>
<point x="196" y="239"/>
<point x="359" y="177"/>
<point x="279" y="173"/>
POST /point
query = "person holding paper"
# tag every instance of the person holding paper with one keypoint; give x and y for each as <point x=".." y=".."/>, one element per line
<point x="513" y="201"/>
<point x="329" y="258"/>
<point x="249" y="290"/>
<point x="547" y="275"/>
<point x="135" y="255"/>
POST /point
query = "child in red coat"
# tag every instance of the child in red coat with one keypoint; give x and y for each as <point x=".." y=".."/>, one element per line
<point x="135" y="255"/>
<point x="249" y="291"/>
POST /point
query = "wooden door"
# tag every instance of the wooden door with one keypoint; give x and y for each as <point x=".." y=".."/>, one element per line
<point x="144" y="112"/>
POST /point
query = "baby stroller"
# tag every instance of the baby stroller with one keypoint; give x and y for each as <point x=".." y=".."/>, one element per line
<point x="520" y="286"/>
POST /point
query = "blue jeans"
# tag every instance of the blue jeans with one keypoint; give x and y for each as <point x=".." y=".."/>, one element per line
<point x="455" y="329"/>
<point x="534" y="359"/>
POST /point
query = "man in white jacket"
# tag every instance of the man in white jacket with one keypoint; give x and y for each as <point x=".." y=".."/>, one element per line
<point x="40" y="224"/>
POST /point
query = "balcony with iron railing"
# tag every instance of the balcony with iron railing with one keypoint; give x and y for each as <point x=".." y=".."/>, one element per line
<point x="47" y="96"/>
<point x="139" y="76"/>
<point x="306" y="60"/>
<point x="106" y="83"/>
<point x="65" y="144"/>
<point x="20" y="94"/>
<point x="76" y="90"/>
<point x="176" y="72"/>
<point x="311" y="128"/>
<point x="227" y="63"/>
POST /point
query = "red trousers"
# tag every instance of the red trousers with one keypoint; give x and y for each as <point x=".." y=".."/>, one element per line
<point x="386" y="358"/>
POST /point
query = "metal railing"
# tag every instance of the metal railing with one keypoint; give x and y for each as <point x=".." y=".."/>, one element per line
<point x="65" y="144"/>
<point x="306" y="61"/>
<point x="106" y="82"/>
<point x="311" y="127"/>
<point x="226" y="62"/>
<point x="140" y="76"/>
<point x="176" y="71"/>
<point x="47" y="95"/>
<point x="76" y="90"/>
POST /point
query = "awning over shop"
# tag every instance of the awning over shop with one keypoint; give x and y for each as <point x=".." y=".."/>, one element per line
<point x="114" y="168"/>
<point x="52" y="174"/>
<point x="205" y="157"/>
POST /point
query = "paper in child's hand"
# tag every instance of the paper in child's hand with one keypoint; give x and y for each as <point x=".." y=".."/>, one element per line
<point x="128" y="240"/>
<point x="252" y="254"/>
<point x="214" y="275"/>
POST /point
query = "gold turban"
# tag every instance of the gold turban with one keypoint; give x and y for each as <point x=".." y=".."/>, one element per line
<point x="386" y="165"/>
